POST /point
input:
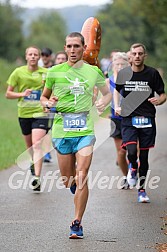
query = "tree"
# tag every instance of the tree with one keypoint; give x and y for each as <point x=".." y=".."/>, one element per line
<point x="121" y="25"/>
<point x="48" y="30"/>
<point x="10" y="32"/>
<point x="127" y="22"/>
<point x="155" y="19"/>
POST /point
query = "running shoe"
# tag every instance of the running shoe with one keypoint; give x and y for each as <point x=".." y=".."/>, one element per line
<point x="47" y="158"/>
<point x="36" y="184"/>
<point x="142" y="197"/>
<point x="124" y="184"/>
<point x="32" y="169"/>
<point x="132" y="176"/>
<point x="73" y="188"/>
<point x="76" y="230"/>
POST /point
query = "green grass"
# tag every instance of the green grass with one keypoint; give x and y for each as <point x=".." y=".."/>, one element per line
<point x="11" y="141"/>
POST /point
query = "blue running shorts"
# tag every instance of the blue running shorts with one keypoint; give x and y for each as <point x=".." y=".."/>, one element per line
<point x="69" y="145"/>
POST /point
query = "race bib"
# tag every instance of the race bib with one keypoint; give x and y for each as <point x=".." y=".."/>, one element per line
<point x="141" y="122"/>
<point x="74" y="122"/>
<point x="34" y="96"/>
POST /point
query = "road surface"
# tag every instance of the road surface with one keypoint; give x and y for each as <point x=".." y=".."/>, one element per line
<point x="113" y="220"/>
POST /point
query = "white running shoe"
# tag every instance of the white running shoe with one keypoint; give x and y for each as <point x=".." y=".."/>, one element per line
<point x="132" y="176"/>
<point x="142" y="197"/>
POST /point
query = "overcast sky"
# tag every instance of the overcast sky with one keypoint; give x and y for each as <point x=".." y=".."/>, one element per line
<point x="57" y="3"/>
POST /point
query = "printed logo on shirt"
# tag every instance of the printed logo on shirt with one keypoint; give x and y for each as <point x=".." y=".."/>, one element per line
<point x="137" y="86"/>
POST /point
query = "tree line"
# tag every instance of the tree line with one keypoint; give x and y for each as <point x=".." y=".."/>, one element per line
<point x="127" y="22"/>
<point x="123" y="23"/>
<point x="48" y="30"/>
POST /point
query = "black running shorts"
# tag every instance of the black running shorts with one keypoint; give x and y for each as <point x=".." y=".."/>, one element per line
<point x="28" y="124"/>
<point x="131" y="134"/>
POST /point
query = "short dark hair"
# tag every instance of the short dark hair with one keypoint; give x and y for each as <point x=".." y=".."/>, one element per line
<point x="46" y="51"/>
<point x="76" y="34"/>
<point x="138" y="45"/>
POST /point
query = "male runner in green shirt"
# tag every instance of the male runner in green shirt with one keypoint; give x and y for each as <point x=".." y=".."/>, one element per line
<point x="72" y="84"/>
<point x="29" y="82"/>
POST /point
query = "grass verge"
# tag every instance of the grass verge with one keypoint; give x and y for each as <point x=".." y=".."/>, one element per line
<point x="12" y="144"/>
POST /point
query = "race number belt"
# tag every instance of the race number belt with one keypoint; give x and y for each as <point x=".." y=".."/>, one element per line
<point x="34" y="96"/>
<point x="74" y="121"/>
<point x="141" y="122"/>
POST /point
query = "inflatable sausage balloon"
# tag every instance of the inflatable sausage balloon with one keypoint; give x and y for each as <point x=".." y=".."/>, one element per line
<point x="91" y="31"/>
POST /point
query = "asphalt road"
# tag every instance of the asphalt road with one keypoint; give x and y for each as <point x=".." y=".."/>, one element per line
<point x="113" y="221"/>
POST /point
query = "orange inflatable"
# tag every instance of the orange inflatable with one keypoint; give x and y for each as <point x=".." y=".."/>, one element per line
<point x="91" y="30"/>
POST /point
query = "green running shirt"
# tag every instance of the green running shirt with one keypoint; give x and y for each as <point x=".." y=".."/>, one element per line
<point x="74" y="88"/>
<point x="21" y="78"/>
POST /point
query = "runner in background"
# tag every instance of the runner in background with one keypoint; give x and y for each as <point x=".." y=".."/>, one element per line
<point x="46" y="57"/>
<point x="119" y="61"/>
<point x="60" y="57"/>
<point x="129" y="57"/>
<point x="138" y="110"/>
<point x="28" y="81"/>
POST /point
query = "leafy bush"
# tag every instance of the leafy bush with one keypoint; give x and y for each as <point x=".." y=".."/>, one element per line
<point x="6" y="69"/>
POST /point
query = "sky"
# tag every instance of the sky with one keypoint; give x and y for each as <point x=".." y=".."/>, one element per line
<point x="57" y="3"/>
